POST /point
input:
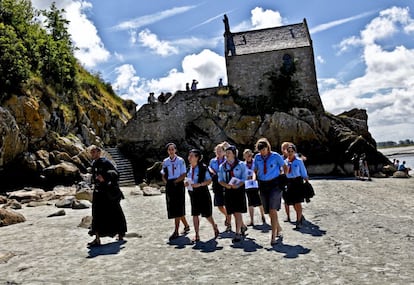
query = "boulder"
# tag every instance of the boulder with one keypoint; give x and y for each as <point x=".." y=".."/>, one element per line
<point x="12" y="142"/>
<point x="81" y="204"/>
<point x="3" y="199"/>
<point x="86" y="222"/>
<point x="400" y="174"/>
<point x="64" y="172"/>
<point x="151" y="191"/>
<point x="27" y="194"/>
<point x="57" y="214"/>
<point x="65" y="202"/>
<point x="84" y="194"/>
<point x="8" y="217"/>
<point x="12" y="204"/>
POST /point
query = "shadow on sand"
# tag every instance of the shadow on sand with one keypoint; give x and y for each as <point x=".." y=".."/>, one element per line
<point x="106" y="249"/>
<point x="290" y="251"/>
<point x="311" y="229"/>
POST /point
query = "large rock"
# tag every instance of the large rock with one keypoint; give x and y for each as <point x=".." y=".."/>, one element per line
<point x="12" y="140"/>
<point x="8" y="217"/>
<point x="27" y="194"/>
<point x="65" y="172"/>
<point x="203" y="118"/>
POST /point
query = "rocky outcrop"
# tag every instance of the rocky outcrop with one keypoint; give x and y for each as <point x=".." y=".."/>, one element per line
<point x="44" y="136"/>
<point x="201" y="119"/>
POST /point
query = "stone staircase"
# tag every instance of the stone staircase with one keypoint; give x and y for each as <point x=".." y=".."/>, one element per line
<point x="124" y="166"/>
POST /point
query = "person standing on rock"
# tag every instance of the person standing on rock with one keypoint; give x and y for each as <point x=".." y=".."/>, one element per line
<point x="218" y="190"/>
<point x="108" y="219"/>
<point x="198" y="179"/>
<point x="232" y="175"/>
<point x="173" y="174"/>
<point x="296" y="173"/>
<point x="268" y="166"/>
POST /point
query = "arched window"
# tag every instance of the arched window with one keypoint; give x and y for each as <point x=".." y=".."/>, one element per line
<point x="288" y="65"/>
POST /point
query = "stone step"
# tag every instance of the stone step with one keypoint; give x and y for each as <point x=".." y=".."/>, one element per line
<point x="124" y="166"/>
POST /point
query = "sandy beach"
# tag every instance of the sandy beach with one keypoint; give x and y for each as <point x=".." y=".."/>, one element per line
<point x="357" y="232"/>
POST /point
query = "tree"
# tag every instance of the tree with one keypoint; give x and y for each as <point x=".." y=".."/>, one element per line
<point x="59" y="62"/>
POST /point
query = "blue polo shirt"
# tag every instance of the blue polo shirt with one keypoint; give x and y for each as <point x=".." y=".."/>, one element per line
<point x="274" y="163"/>
<point x="193" y="174"/>
<point x="225" y="173"/>
<point x="296" y="168"/>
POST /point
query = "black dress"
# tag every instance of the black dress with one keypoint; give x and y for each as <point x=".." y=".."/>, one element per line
<point x="108" y="219"/>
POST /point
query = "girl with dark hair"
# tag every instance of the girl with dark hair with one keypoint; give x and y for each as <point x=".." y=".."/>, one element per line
<point x="173" y="174"/>
<point x="231" y="176"/>
<point x="198" y="179"/>
<point x="296" y="173"/>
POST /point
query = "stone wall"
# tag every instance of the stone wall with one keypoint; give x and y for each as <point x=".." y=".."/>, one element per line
<point x="246" y="73"/>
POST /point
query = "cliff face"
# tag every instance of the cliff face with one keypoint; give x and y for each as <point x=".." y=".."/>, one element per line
<point x="40" y="130"/>
<point x="201" y="119"/>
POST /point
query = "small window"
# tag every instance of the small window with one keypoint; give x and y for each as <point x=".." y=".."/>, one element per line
<point x="288" y="63"/>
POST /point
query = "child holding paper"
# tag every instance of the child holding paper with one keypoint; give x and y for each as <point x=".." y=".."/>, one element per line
<point x="231" y="176"/>
<point x="252" y="188"/>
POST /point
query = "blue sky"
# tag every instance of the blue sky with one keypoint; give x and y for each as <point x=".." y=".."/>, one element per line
<point x="364" y="50"/>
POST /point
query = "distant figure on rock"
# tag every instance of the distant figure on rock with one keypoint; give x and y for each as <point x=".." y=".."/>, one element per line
<point x="403" y="168"/>
<point x="108" y="219"/>
<point x="194" y="85"/>
<point x="220" y="83"/>
<point x="161" y="98"/>
<point x="187" y="86"/>
<point x="151" y="98"/>
<point x="396" y="164"/>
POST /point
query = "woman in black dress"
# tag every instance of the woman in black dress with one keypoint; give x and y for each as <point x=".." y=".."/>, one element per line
<point x="108" y="219"/>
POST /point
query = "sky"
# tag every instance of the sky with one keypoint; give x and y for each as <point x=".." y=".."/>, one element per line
<point x="364" y="50"/>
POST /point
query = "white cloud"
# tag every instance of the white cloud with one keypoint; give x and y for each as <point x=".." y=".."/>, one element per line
<point x="339" y="22"/>
<point x="386" y="88"/>
<point x="90" y="48"/>
<point x="150" y="40"/>
<point x="320" y="59"/>
<point x="152" y="18"/>
<point x="262" y="19"/>
<point x="206" y="67"/>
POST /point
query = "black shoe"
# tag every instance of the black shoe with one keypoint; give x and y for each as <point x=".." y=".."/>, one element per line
<point x="237" y="238"/>
<point x="186" y="230"/>
<point x="299" y="224"/>
<point x="243" y="230"/>
<point x="173" y="236"/>
<point x="228" y="226"/>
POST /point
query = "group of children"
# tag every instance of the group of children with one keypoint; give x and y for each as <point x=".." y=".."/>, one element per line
<point x="259" y="180"/>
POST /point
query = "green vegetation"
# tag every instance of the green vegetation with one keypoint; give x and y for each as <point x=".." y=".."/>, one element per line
<point x="29" y="49"/>
<point x="37" y="55"/>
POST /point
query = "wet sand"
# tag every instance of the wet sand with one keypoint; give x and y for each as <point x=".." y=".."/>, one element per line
<point x="357" y="232"/>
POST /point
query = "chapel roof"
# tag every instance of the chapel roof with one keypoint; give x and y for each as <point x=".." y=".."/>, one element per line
<point x="270" y="39"/>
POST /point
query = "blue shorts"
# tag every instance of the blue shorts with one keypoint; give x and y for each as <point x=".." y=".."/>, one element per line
<point x="270" y="194"/>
